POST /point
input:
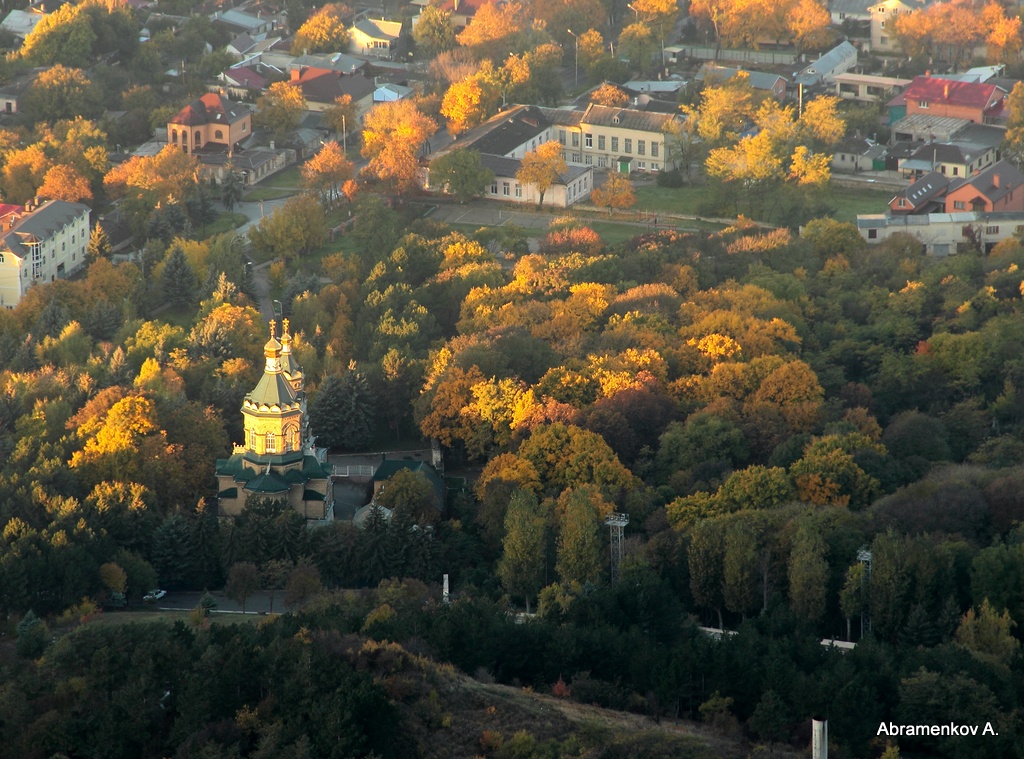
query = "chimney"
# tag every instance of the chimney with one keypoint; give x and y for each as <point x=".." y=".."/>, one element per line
<point x="995" y="180"/>
<point x="296" y="74"/>
<point x="945" y="92"/>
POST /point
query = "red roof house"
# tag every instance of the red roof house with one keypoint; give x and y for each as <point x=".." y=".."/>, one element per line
<point x="975" y="101"/>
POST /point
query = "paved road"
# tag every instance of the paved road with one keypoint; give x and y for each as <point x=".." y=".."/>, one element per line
<point x="259" y="603"/>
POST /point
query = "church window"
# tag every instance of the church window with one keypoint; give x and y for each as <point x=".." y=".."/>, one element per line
<point x="252" y="439"/>
<point x="271" y="443"/>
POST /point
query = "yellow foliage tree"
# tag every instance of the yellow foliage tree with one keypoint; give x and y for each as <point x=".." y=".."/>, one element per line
<point x="616" y="192"/>
<point x="323" y="31"/>
<point x="542" y="167"/>
<point x="393" y="134"/>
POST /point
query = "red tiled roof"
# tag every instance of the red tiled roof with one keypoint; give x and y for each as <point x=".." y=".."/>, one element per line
<point x="210" y="108"/>
<point x="465" y="7"/>
<point x="246" y="77"/>
<point x="947" y="92"/>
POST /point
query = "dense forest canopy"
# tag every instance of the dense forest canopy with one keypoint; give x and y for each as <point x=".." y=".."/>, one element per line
<point x="763" y="405"/>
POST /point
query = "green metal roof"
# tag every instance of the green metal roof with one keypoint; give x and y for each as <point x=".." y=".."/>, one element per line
<point x="313" y="468"/>
<point x="228" y="493"/>
<point x="267" y="483"/>
<point x="312" y="495"/>
<point x="272" y="390"/>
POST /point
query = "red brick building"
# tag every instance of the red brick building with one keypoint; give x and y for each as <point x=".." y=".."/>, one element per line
<point x="999" y="188"/>
<point x="974" y="101"/>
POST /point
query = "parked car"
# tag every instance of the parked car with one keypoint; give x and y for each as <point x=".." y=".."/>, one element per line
<point x="154" y="595"/>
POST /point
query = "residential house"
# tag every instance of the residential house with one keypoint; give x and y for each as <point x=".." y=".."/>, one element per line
<point x="389" y="93"/>
<point x="1000" y="187"/>
<point x="922" y="128"/>
<point x="978" y="102"/>
<point x="12" y="94"/>
<point x="857" y="154"/>
<point x="883" y="17"/>
<point x="212" y="122"/>
<point x="462" y="11"/>
<point x="240" y="45"/>
<point x="926" y="195"/>
<point x="763" y="82"/>
<point x="942" y="234"/>
<point x="339" y="63"/>
<point x="374" y="37"/>
<point x="850" y="10"/>
<point x="838" y="60"/>
<point x="277" y="459"/>
<point x="21" y="23"/>
<point x="572" y="186"/>
<point x="242" y="81"/>
<point x="950" y="159"/>
<point x="868" y="88"/>
<point x="40" y="243"/>
<point x="238" y="22"/>
<point x="322" y="87"/>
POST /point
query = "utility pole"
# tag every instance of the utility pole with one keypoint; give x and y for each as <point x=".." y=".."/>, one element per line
<point x="576" y="56"/>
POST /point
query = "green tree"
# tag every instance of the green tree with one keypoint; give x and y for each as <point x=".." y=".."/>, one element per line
<point x="770" y="719"/>
<point x="988" y="634"/>
<point x="852" y="596"/>
<point x="435" y="31"/>
<point x="60" y="93"/>
<point x="99" y="244"/>
<point x="297" y="227"/>
<point x="808" y="574"/>
<point x="243" y="581"/>
<point x="579" y="538"/>
<point x="113" y="577"/>
<point x="280" y="109"/>
<point x="521" y="567"/>
<point x="231" y="190"/>
<point x="341" y="414"/>
<point x="178" y="281"/>
<point x="63" y="37"/>
<point x="461" y="173"/>
<point x="636" y="42"/>
<point x="707" y="572"/>
<point x="303" y="585"/>
<point x="542" y="168"/>
<point x="409" y="494"/>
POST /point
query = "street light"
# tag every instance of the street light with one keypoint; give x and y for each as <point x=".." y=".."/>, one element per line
<point x="344" y="136"/>
<point x="278" y="309"/>
<point x="576" y="56"/>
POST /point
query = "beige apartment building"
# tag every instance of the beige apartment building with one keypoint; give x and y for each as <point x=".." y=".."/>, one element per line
<point x="40" y="243"/>
<point x="620" y="139"/>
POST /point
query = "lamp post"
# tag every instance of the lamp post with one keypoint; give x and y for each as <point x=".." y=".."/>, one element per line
<point x="576" y="56"/>
<point x="278" y="308"/>
<point x="344" y="135"/>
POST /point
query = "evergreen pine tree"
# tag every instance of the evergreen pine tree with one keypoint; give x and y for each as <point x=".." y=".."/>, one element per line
<point x="231" y="191"/>
<point x="341" y="415"/>
<point x="172" y="553"/>
<point x="178" y="280"/>
<point x="99" y="244"/>
<point x="52" y="320"/>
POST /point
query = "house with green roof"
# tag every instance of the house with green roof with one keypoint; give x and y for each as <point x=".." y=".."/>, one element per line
<point x="277" y="459"/>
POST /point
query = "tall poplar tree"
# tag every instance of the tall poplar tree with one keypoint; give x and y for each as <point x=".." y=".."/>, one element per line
<point x="521" y="568"/>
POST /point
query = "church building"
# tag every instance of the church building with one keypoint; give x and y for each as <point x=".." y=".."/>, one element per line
<point x="278" y="459"/>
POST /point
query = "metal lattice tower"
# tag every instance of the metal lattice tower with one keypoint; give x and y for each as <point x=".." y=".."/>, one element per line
<point x="616" y="523"/>
<point x="864" y="557"/>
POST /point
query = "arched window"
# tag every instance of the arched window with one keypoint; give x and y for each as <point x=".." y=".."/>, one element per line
<point x="199" y="139"/>
<point x="271" y="443"/>
<point x="174" y="136"/>
<point x="219" y="134"/>
<point x="252" y="439"/>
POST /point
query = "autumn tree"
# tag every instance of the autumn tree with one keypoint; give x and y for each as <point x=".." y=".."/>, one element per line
<point x="461" y="173"/>
<point x="591" y="50"/>
<point x="322" y="32"/>
<point x="326" y="172"/>
<point x="808" y="575"/>
<point x="393" y="135"/>
<point x="636" y="42"/>
<point x="610" y="95"/>
<point x="340" y="116"/>
<point x="63" y="37"/>
<point x="468" y="103"/>
<point x="521" y="567"/>
<point x="616" y="192"/>
<point x="579" y="537"/>
<point x="60" y="93"/>
<point x="434" y="32"/>
<point x="99" y="244"/>
<point x="542" y="168"/>
<point x="280" y="109"/>
<point x="167" y="177"/>
<point x="1013" y="142"/>
<point x="64" y="183"/>
<point x="808" y="22"/>
<point x="493" y="29"/>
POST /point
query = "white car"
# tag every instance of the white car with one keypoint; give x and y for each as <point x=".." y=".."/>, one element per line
<point x="154" y="595"/>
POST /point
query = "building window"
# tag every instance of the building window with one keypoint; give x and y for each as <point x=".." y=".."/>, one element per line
<point x="884" y="41"/>
<point x="627" y="145"/>
<point x="252" y="439"/>
<point x="271" y="443"/>
<point x="600" y="142"/>
<point x="902" y="203"/>
<point x="655" y="166"/>
<point x="615" y="144"/>
<point x="959" y="205"/>
<point x="1" y="258"/>
<point x="641" y="165"/>
<point x="219" y="134"/>
<point x="922" y="103"/>
<point x="174" y="137"/>
<point x="872" y="234"/>
<point x="602" y="162"/>
<point x="654" y="150"/>
<point x="575" y="139"/>
<point x="519" y="190"/>
<point x="576" y="157"/>
<point x="505" y="189"/>
<point x="588" y="140"/>
<point x="991" y="230"/>
<point x="588" y="159"/>
<point x="956" y="171"/>
<point x="641" y="147"/>
<point x="494" y="188"/>
<point x="561" y="136"/>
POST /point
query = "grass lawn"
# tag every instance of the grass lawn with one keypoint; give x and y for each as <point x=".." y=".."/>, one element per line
<point x="850" y="201"/>
<point x="685" y="199"/>
<point x="226" y="222"/>
<point x="279" y="185"/>
<point x="170" y="617"/>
